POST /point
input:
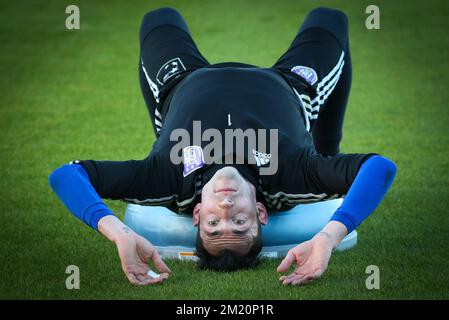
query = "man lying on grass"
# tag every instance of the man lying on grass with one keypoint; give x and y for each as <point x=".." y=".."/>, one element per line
<point x="292" y="112"/>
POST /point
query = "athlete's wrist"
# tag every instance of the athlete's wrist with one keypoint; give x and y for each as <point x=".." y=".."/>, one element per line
<point x="114" y="229"/>
<point x="335" y="232"/>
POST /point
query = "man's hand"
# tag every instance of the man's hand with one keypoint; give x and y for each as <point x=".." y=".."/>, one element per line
<point x="312" y="257"/>
<point x="134" y="251"/>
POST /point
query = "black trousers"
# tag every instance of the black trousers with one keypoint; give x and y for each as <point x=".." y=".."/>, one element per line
<point x="318" y="56"/>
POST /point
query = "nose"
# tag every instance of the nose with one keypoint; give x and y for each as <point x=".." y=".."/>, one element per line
<point x="225" y="228"/>
<point x="226" y="203"/>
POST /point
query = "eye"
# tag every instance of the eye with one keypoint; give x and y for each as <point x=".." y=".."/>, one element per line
<point x="239" y="221"/>
<point x="212" y="223"/>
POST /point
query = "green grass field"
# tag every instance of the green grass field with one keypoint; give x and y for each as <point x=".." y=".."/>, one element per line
<point x="75" y="95"/>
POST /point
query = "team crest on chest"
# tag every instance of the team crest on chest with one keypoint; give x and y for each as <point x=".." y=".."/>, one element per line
<point x="193" y="159"/>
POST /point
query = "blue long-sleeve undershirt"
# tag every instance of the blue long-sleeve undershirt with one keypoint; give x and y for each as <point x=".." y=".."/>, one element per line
<point x="366" y="192"/>
<point x="72" y="185"/>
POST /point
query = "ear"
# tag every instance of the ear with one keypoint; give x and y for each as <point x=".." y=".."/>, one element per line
<point x="262" y="213"/>
<point x="196" y="214"/>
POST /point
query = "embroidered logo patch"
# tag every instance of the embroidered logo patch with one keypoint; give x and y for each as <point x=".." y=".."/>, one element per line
<point x="307" y="73"/>
<point x="261" y="158"/>
<point x="169" y="69"/>
<point x="193" y="159"/>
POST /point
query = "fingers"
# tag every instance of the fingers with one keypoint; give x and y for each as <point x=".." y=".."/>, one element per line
<point x="135" y="263"/>
<point x="286" y="263"/>
<point x="299" y="253"/>
<point x="301" y="277"/>
<point x="150" y="252"/>
<point x="138" y="280"/>
<point x="159" y="263"/>
<point x="288" y="279"/>
<point x="295" y="279"/>
<point x="144" y="279"/>
<point x="132" y="278"/>
<point x="302" y="281"/>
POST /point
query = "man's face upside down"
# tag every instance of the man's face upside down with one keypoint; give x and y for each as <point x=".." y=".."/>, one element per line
<point x="228" y="214"/>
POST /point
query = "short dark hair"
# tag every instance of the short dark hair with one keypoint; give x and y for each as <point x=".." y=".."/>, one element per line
<point x="228" y="260"/>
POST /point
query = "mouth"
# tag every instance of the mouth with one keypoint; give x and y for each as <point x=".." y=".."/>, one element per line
<point x="225" y="190"/>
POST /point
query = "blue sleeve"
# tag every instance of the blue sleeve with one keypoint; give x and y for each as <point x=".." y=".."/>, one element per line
<point x="366" y="192"/>
<point x="72" y="185"/>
